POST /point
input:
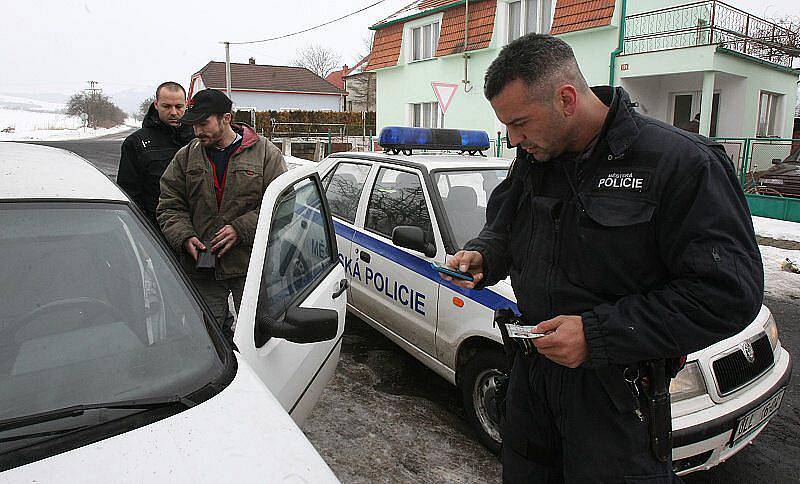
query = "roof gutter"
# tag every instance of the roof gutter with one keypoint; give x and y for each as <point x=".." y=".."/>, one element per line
<point x="620" y="45"/>
<point x="424" y="13"/>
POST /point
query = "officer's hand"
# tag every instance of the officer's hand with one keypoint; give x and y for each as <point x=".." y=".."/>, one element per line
<point x="566" y="345"/>
<point x="223" y="240"/>
<point x="192" y="245"/>
<point x="466" y="261"/>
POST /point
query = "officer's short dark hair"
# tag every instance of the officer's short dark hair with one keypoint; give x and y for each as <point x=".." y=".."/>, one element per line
<point x="172" y="86"/>
<point x="538" y="60"/>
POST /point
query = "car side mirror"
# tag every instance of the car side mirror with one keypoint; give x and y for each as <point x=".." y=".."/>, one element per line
<point x="412" y="238"/>
<point x="776" y="161"/>
<point x="299" y="325"/>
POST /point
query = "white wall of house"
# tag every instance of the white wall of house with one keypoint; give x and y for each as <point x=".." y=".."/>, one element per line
<point x="271" y="101"/>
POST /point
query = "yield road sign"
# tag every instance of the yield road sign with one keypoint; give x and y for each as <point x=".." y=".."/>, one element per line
<point x="444" y="93"/>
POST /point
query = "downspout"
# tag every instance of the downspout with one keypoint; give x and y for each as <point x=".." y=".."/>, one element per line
<point x="620" y="44"/>
<point x="467" y="84"/>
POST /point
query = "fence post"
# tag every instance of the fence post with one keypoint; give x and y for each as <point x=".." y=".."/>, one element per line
<point x="745" y="162"/>
<point x="330" y="142"/>
<point x="497" y="150"/>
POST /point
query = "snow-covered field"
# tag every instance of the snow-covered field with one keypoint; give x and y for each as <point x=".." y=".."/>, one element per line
<point x="777" y="229"/>
<point x="31" y="120"/>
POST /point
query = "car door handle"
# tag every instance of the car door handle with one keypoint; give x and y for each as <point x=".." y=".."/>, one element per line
<point x="365" y="256"/>
<point x="342" y="286"/>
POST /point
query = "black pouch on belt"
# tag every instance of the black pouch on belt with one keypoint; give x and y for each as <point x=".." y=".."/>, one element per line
<point x="501" y="318"/>
<point x="659" y="409"/>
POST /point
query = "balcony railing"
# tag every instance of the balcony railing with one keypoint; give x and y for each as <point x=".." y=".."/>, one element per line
<point x="709" y="23"/>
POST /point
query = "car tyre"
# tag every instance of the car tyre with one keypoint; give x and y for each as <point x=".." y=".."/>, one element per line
<point x="478" y="391"/>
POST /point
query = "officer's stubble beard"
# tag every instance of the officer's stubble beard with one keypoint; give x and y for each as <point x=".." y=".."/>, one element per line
<point x="562" y="133"/>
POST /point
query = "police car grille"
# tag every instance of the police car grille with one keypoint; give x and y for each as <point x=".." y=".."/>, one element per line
<point x="734" y="371"/>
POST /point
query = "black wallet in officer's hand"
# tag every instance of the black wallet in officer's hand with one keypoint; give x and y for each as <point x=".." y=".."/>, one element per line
<point x="206" y="260"/>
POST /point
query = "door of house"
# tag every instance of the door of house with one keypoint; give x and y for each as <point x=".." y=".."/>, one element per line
<point x="685" y="105"/>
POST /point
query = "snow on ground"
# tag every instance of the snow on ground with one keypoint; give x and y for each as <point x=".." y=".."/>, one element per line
<point x="32" y="120"/>
<point x="777" y="283"/>
<point x="776" y="229"/>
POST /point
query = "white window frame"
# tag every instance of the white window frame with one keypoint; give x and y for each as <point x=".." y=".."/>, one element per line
<point x="408" y="37"/>
<point x="431" y="120"/>
<point x="772" y="127"/>
<point x="524" y="6"/>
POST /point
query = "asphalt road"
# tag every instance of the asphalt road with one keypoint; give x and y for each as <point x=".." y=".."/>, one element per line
<point x="387" y="418"/>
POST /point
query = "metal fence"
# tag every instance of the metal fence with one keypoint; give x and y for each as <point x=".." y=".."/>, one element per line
<point x="708" y="23"/>
<point x="752" y="158"/>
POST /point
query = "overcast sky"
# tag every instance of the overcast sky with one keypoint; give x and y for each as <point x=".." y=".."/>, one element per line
<point x="51" y="46"/>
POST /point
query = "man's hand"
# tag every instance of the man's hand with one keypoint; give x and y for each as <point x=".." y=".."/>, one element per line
<point x="566" y="345"/>
<point x="466" y="261"/>
<point x="192" y="245"/>
<point x="223" y="240"/>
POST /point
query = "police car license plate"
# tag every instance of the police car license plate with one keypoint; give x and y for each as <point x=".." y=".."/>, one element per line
<point x="753" y="419"/>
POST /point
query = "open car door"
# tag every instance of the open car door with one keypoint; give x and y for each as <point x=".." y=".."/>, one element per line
<point x="291" y="320"/>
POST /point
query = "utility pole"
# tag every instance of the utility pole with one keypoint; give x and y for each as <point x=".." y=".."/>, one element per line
<point x="93" y="96"/>
<point x="228" y="69"/>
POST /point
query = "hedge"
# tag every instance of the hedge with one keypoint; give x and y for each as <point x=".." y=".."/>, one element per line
<point x="315" y="121"/>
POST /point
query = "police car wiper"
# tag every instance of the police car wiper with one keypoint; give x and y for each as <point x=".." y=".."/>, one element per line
<point x="77" y="410"/>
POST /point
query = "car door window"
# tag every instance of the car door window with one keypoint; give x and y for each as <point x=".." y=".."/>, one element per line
<point x="344" y="189"/>
<point x="397" y="199"/>
<point x="300" y="248"/>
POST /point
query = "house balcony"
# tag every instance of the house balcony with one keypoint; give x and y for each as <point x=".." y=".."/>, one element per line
<point x="709" y="23"/>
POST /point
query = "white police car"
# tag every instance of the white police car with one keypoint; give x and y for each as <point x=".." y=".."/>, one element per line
<point x="111" y="369"/>
<point x="394" y="214"/>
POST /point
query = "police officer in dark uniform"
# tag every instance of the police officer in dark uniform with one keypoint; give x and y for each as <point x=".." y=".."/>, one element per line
<point x="147" y="151"/>
<point x="629" y="244"/>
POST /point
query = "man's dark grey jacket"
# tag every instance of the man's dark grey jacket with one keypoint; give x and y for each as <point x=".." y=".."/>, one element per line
<point x="649" y="239"/>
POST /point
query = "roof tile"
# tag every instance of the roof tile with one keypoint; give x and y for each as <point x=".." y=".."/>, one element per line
<point x="574" y="15"/>
<point x="265" y="78"/>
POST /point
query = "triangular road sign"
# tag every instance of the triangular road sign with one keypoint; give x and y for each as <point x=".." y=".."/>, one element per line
<point x="444" y="93"/>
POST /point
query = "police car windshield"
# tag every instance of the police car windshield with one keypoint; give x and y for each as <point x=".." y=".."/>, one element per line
<point x="91" y="310"/>
<point x="464" y="195"/>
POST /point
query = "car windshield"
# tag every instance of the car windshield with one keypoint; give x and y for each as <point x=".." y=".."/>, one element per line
<point x="92" y="310"/>
<point x="464" y="195"/>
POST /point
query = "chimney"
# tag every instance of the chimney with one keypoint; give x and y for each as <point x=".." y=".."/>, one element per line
<point x="252" y="61"/>
<point x="344" y="69"/>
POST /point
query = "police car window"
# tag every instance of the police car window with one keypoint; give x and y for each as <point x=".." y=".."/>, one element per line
<point x="397" y="199"/>
<point x="344" y="189"/>
<point x="299" y="248"/>
<point x="464" y="196"/>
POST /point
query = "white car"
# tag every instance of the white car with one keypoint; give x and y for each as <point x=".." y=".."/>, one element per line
<point x="111" y="367"/>
<point x="395" y="214"/>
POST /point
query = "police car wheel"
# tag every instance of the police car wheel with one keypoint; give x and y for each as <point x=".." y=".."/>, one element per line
<point x="478" y="392"/>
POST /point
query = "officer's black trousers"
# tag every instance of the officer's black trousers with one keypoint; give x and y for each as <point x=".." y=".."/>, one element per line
<point x="561" y="426"/>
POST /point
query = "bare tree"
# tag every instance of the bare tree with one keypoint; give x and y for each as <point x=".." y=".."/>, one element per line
<point x="99" y="110"/>
<point x="361" y="91"/>
<point x="319" y="60"/>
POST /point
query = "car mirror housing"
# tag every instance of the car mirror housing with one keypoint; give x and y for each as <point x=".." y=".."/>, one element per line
<point x="412" y="238"/>
<point x="299" y="325"/>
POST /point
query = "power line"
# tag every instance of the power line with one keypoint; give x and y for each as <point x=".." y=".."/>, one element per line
<point x="310" y="28"/>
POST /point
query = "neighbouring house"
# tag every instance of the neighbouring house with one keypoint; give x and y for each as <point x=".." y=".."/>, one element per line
<point x="358" y="83"/>
<point x="270" y="88"/>
<point x="677" y="59"/>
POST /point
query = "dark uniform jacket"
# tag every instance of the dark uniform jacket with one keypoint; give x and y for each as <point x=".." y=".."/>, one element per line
<point x="145" y="155"/>
<point x="649" y="239"/>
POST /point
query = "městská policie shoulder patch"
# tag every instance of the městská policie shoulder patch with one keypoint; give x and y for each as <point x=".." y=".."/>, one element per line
<point x="622" y="180"/>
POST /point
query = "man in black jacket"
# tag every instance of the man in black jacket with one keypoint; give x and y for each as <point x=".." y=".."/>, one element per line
<point x="148" y="151"/>
<point x="628" y="241"/>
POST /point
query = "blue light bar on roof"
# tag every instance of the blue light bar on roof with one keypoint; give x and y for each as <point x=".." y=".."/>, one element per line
<point x="399" y="138"/>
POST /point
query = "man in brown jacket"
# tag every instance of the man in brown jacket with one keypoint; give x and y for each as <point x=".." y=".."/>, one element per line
<point x="211" y="195"/>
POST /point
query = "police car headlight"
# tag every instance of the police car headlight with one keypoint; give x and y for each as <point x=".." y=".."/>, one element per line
<point x="689" y="383"/>
<point x="771" y="328"/>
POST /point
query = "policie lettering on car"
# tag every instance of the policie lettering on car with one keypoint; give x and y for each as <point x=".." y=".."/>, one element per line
<point x="384" y="284"/>
<point x="631" y="181"/>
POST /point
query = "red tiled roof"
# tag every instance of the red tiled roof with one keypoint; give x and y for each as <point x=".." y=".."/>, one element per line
<point x="481" y="26"/>
<point x="266" y="78"/>
<point x="386" y="47"/>
<point x="335" y="77"/>
<point x="574" y="15"/>
<point x="414" y="9"/>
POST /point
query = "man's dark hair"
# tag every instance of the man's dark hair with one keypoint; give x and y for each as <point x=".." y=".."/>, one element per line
<point x="172" y="86"/>
<point x="536" y="59"/>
